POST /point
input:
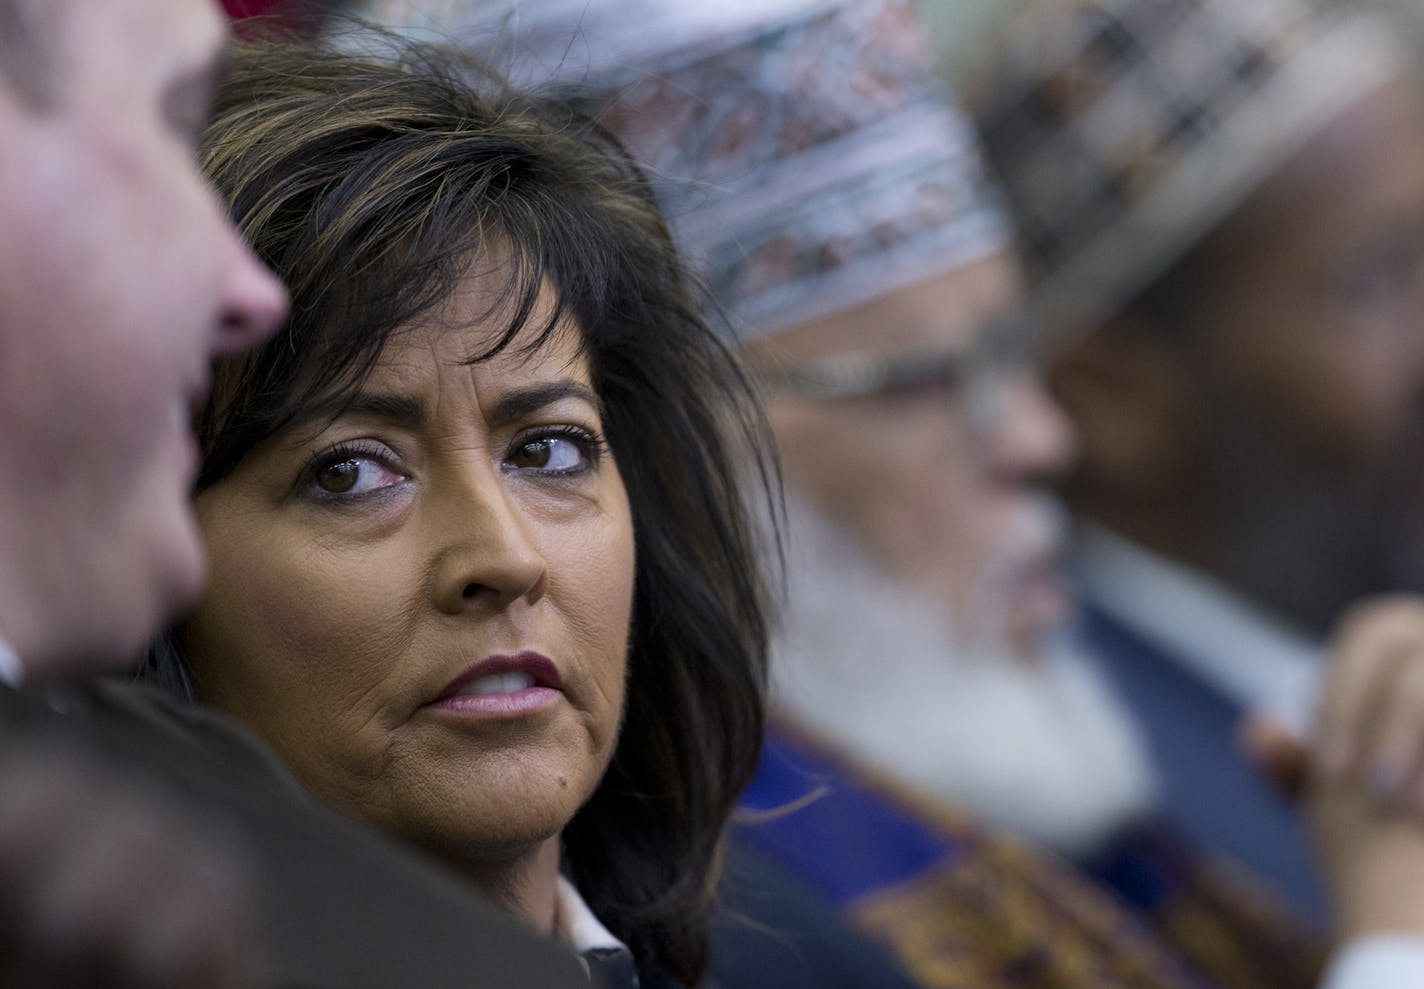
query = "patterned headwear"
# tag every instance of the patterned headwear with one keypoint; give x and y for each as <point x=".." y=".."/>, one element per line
<point x="807" y="154"/>
<point x="1124" y="130"/>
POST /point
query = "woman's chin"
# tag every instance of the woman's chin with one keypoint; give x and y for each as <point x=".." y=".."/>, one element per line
<point x="504" y="827"/>
<point x="489" y="853"/>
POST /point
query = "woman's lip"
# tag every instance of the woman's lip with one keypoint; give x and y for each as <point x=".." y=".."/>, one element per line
<point x="537" y="667"/>
<point x="519" y="702"/>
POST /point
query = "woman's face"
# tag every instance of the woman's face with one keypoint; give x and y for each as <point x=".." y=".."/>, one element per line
<point x="424" y="605"/>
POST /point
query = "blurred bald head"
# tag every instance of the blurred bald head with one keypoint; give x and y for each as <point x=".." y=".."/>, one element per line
<point x="120" y="278"/>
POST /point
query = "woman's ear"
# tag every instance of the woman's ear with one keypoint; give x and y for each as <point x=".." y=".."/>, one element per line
<point x="1129" y="394"/>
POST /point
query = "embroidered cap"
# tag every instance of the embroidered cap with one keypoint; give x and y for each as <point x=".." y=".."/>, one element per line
<point x="806" y="153"/>
<point x="1124" y="130"/>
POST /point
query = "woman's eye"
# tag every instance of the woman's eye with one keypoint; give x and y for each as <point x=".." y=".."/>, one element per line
<point x="354" y="475"/>
<point x="555" y="454"/>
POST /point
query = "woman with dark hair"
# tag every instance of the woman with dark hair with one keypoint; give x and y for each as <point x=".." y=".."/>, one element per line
<point x="481" y="575"/>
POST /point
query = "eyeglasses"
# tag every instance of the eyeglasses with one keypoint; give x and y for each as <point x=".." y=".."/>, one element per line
<point x="975" y="374"/>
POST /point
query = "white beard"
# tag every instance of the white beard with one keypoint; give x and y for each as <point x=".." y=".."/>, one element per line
<point x="1040" y="748"/>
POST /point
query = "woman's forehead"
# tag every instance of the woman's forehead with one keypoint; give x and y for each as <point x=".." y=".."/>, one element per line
<point x="501" y="318"/>
<point x="485" y="348"/>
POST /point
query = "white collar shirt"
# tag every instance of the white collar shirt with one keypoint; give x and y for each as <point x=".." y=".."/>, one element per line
<point x="575" y="924"/>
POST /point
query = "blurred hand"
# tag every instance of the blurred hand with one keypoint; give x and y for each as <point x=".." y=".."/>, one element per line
<point x="1361" y="771"/>
<point x="1370" y="731"/>
<point x="1373" y="860"/>
<point x="1277" y="751"/>
<point x="105" y="883"/>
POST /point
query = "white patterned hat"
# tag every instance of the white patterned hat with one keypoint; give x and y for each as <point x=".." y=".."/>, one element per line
<point x="806" y="152"/>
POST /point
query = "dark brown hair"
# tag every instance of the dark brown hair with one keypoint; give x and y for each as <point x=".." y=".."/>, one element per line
<point x="370" y="185"/>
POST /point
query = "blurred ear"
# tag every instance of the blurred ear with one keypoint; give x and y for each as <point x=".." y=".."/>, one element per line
<point x="1129" y="395"/>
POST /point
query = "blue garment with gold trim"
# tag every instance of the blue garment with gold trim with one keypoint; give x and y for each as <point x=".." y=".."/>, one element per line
<point x="961" y="907"/>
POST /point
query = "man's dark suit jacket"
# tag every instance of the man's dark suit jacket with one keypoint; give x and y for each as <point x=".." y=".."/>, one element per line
<point x="1211" y="794"/>
<point x="340" y="906"/>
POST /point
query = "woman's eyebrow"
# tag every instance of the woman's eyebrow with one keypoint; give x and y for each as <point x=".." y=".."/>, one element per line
<point x="519" y="402"/>
<point x="399" y="410"/>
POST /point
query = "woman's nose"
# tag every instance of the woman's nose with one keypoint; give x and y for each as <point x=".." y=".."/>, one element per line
<point x="488" y="556"/>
